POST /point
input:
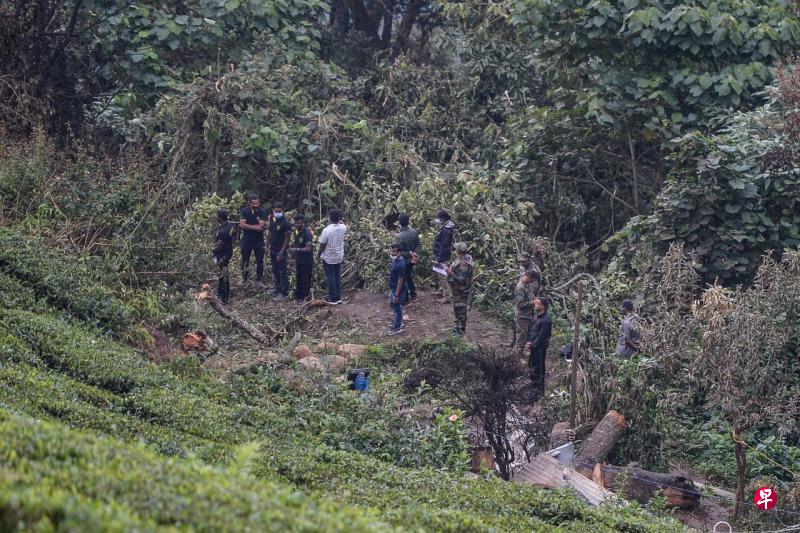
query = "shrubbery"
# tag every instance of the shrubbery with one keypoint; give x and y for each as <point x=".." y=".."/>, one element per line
<point x="84" y="477"/>
<point x="63" y="282"/>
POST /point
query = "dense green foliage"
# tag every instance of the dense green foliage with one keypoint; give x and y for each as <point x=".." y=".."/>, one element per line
<point x="653" y="143"/>
<point x="335" y="447"/>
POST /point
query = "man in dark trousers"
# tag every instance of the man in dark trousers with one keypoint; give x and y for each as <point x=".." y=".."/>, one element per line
<point x="331" y="253"/>
<point x="629" y="340"/>
<point x="302" y="247"/>
<point x="538" y="340"/>
<point x="408" y="239"/>
<point x="279" y="231"/>
<point x="222" y="253"/>
<point x="398" y="291"/>
<point x="443" y="249"/>
<point x="253" y="221"/>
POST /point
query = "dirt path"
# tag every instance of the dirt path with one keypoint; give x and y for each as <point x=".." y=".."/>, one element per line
<point x="426" y="318"/>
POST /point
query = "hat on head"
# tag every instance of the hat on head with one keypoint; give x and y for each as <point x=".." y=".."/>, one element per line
<point x="461" y="247"/>
<point x="532" y="273"/>
<point x="299" y="216"/>
<point x="524" y="256"/>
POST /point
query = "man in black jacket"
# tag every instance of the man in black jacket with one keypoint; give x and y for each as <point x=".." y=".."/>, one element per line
<point x="443" y="249"/>
<point x="222" y="253"/>
<point x="538" y="340"/>
<point x="253" y="222"/>
<point x="408" y="238"/>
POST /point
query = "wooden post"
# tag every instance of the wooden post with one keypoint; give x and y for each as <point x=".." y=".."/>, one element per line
<point x="575" y="350"/>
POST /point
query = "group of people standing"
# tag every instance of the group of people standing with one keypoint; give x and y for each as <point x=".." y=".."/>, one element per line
<point x="285" y="240"/>
<point x="455" y="277"/>
<point x="532" y="325"/>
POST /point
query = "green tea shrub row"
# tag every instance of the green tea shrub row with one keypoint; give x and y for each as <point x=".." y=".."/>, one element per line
<point x="435" y="500"/>
<point x="79" y="352"/>
<point x="61" y="280"/>
<point x="171" y="493"/>
<point x="49" y="395"/>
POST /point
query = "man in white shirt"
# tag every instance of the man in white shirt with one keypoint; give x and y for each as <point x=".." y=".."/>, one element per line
<point x="331" y="252"/>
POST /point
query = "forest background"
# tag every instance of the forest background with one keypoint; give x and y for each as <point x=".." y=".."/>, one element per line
<point x="649" y="147"/>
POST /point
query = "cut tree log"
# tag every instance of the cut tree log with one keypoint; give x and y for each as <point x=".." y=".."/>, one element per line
<point x="600" y="442"/>
<point x="643" y="485"/>
<point x="240" y="323"/>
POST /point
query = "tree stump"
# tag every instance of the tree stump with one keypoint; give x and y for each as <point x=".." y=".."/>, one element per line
<point x="599" y="444"/>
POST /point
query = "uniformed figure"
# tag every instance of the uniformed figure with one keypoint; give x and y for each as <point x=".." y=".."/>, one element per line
<point x="524" y="293"/>
<point x="303" y="250"/>
<point x="222" y="253"/>
<point x="253" y="222"/>
<point x="459" y="276"/>
<point x="526" y="262"/>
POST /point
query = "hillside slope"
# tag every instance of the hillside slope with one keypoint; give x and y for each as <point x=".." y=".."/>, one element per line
<point x="185" y="452"/>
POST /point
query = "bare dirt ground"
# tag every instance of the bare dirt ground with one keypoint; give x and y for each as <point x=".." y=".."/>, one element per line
<point x="426" y="318"/>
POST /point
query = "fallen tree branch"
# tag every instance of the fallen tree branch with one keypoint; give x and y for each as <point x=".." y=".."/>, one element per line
<point x="247" y="327"/>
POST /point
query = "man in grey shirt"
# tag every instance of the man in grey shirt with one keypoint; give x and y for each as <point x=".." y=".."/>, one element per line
<point x="630" y="337"/>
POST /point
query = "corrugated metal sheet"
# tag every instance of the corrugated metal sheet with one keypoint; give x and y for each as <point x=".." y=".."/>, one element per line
<point x="545" y="471"/>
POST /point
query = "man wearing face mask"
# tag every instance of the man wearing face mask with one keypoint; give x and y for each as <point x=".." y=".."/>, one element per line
<point x="279" y="231"/>
<point x="398" y="289"/>
<point x="443" y="249"/>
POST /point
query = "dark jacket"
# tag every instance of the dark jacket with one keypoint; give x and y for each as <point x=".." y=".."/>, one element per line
<point x="443" y="242"/>
<point x="301" y="240"/>
<point x="408" y="239"/>
<point x="249" y="216"/>
<point x="223" y="241"/>
<point x="398" y="273"/>
<point x="539" y="334"/>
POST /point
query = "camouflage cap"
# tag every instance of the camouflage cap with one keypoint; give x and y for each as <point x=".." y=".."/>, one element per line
<point x="461" y="247"/>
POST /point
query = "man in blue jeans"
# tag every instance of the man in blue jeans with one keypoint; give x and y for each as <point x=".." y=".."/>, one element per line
<point x="331" y="252"/>
<point x="398" y="289"/>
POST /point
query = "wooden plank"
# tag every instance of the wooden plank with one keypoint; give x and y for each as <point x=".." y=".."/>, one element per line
<point x="545" y="471"/>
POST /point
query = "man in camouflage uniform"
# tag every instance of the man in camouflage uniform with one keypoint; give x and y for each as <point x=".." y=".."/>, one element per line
<point x="459" y="276"/>
<point x="524" y="293"/>
<point x="526" y="262"/>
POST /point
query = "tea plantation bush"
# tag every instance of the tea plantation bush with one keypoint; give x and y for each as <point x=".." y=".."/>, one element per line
<point x="327" y="461"/>
<point x="77" y="475"/>
<point x="63" y="282"/>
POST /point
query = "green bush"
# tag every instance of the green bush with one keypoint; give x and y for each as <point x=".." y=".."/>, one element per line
<point x="79" y="353"/>
<point x="433" y="500"/>
<point x="43" y="508"/>
<point x="48" y="395"/>
<point x="62" y="281"/>
<point x="180" y="493"/>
